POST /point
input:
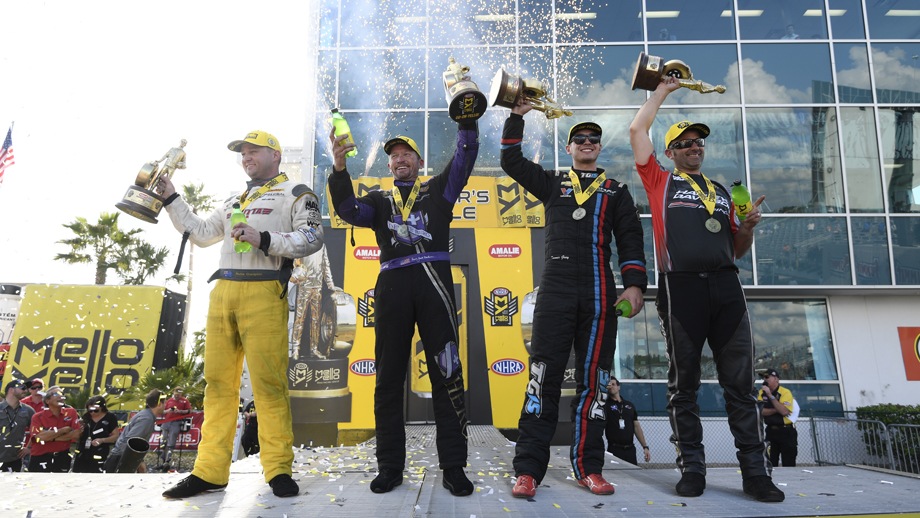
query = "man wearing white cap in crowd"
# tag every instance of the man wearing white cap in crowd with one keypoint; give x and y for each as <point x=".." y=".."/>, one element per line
<point x="248" y="313"/>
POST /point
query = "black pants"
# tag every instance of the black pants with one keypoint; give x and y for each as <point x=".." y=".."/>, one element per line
<point x="13" y="466"/>
<point x="91" y="460"/>
<point x="695" y="308"/>
<point x="627" y="453"/>
<point x="420" y="294"/>
<point x="784" y="441"/>
<point x="51" y="462"/>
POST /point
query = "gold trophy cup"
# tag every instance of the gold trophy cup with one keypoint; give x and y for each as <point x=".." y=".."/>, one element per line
<point x="507" y="89"/>
<point x="140" y="201"/>
<point x="650" y="71"/>
<point x="464" y="100"/>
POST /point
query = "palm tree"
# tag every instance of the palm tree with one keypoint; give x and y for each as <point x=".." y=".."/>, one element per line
<point x="112" y="248"/>
<point x="199" y="203"/>
<point x="187" y="373"/>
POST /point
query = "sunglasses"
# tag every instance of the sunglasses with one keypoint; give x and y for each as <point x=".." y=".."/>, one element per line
<point x="684" y="144"/>
<point x="580" y="139"/>
<point x="37" y="387"/>
<point x="94" y="411"/>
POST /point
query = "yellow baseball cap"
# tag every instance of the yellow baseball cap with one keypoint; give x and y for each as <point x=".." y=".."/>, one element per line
<point x="401" y="139"/>
<point x="678" y="129"/>
<point x="256" y="138"/>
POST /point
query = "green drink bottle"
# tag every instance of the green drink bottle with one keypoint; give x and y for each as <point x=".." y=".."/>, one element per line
<point x="623" y="308"/>
<point x="741" y="197"/>
<point x="341" y="128"/>
<point x="237" y="216"/>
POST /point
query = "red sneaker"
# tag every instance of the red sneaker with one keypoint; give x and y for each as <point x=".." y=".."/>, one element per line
<point x="596" y="483"/>
<point x="525" y="487"/>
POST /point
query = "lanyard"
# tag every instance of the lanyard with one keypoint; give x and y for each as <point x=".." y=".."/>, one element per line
<point x="582" y="196"/>
<point x="708" y="199"/>
<point x="406" y="208"/>
<point x="262" y="190"/>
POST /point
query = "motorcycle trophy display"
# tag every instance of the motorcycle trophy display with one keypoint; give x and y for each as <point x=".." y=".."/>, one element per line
<point x="650" y="71"/>
<point x="464" y="100"/>
<point x="140" y="201"/>
<point x="508" y="88"/>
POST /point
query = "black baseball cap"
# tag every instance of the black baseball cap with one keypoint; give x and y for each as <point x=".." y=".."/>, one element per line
<point x="593" y="126"/>
<point x="770" y="372"/>
<point x="15" y="384"/>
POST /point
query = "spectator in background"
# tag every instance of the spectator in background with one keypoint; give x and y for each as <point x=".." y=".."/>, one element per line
<point x="778" y="404"/>
<point x="35" y="398"/>
<point x="177" y="409"/>
<point x="141" y="426"/>
<point x="790" y="33"/>
<point x="100" y="431"/>
<point x="665" y="35"/>
<point x="250" y="439"/>
<point x="15" y="419"/>
<point x="622" y="425"/>
<point x="53" y="431"/>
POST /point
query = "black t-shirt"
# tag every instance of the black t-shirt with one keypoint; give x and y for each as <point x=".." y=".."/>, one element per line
<point x="621" y="418"/>
<point x="97" y="430"/>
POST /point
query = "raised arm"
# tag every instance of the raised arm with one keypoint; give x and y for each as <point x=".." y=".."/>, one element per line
<point x="638" y="131"/>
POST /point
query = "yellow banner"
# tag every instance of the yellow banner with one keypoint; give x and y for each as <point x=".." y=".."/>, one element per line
<point x="505" y="276"/>
<point x="485" y="202"/>
<point x="421" y="383"/>
<point x="97" y="337"/>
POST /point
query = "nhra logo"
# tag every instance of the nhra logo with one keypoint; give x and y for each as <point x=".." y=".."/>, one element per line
<point x="367" y="253"/>
<point x="504" y="251"/>
<point x="507" y="367"/>
<point x="366" y="308"/>
<point x="501" y="306"/>
<point x="365" y="367"/>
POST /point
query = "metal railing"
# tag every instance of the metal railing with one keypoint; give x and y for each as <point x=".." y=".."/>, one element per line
<point x="866" y="442"/>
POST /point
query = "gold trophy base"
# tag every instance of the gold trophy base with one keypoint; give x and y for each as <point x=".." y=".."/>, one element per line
<point x="141" y="203"/>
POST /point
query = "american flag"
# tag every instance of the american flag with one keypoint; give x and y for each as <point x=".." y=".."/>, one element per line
<point x="6" y="153"/>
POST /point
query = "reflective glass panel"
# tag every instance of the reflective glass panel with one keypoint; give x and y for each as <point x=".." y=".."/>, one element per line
<point x="900" y="129"/>
<point x="470" y="23"/>
<point x="820" y="399"/>
<point x="649" y="246"/>
<point x="326" y="77"/>
<point x="535" y="20"/>
<point x="373" y="23"/>
<point x="896" y="68"/>
<point x="853" y="85"/>
<point x="905" y="233"/>
<point x="793" y="337"/>
<point x="784" y="74"/>
<point x="864" y="180"/>
<point x="382" y="79"/>
<point x="870" y="251"/>
<point x="328" y="23"/>
<point x="893" y="20"/>
<point x="687" y="20"/>
<point x="804" y="251"/>
<point x="715" y="64"/>
<point x="782" y="19"/>
<point x="598" y="20"/>
<point x="795" y="159"/>
<point x="846" y="19"/>
<point x="597" y="75"/>
<point x="641" y="351"/>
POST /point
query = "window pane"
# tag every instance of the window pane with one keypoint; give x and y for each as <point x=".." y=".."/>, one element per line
<point x="463" y="23"/>
<point x="382" y="79"/>
<point x="806" y="251"/>
<point x="597" y="20"/>
<point x="853" y="84"/>
<point x="596" y="75"/>
<point x="782" y="19"/>
<point x="328" y="23"/>
<point x="893" y="20"/>
<point x="870" y="251"/>
<point x="864" y="180"/>
<point x="534" y="21"/>
<point x="713" y="64"/>
<point x="795" y="159"/>
<point x="686" y="20"/>
<point x="900" y="129"/>
<point x="382" y="23"/>
<point x="641" y="351"/>
<point x="846" y="19"/>
<point x="783" y="74"/>
<point x="793" y="337"/>
<point x="905" y="232"/>
<point x="896" y="69"/>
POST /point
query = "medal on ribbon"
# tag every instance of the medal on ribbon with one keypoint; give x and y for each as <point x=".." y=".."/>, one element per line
<point x="405" y="208"/>
<point x="708" y="199"/>
<point x="582" y="196"/>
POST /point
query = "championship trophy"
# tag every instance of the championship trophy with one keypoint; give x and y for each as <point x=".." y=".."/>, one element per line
<point x="140" y="201"/>
<point x="507" y="89"/>
<point x="464" y="100"/>
<point x="650" y="72"/>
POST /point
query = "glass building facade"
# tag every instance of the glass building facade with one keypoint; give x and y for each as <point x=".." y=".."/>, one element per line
<point x="820" y="114"/>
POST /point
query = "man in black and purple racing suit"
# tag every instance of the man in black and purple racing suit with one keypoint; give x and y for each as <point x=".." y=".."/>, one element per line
<point x="412" y="224"/>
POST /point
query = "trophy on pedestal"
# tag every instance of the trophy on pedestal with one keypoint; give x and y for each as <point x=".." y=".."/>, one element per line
<point x="507" y="89"/>
<point x="650" y="71"/>
<point x="140" y="201"/>
<point x="464" y="100"/>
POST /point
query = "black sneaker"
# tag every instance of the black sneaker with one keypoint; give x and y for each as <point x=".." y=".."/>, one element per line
<point x="386" y="480"/>
<point x="763" y="489"/>
<point x="691" y="484"/>
<point x="283" y="485"/>
<point x="191" y="486"/>
<point x="456" y="482"/>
